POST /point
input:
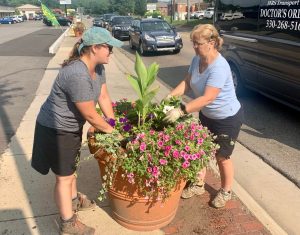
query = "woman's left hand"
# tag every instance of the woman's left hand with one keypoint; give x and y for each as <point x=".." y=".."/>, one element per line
<point x="173" y="115"/>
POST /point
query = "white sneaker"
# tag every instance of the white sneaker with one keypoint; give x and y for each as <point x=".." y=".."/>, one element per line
<point x="193" y="189"/>
<point x="221" y="198"/>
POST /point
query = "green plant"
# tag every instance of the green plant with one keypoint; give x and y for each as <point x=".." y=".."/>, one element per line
<point x="142" y="85"/>
<point x="156" y="155"/>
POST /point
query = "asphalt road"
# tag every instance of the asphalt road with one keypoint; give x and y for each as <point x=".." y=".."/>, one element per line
<point x="23" y="59"/>
<point x="270" y="130"/>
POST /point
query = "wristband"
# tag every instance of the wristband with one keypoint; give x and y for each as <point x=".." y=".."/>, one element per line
<point x="182" y="107"/>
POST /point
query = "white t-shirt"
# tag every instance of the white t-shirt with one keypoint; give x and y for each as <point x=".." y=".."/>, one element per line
<point x="217" y="74"/>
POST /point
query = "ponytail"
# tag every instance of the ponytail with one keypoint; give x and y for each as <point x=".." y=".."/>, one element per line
<point x="75" y="55"/>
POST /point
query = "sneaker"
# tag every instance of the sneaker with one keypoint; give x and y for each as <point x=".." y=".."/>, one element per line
<point x="193" y="189"/>
<point x="221" y="198"/>
<point x="82" y="203"/>
<point x="74" y="227"/>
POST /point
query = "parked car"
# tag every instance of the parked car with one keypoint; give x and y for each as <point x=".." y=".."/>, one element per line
<point x="119" y="26"/>
<point x="38" y="17"/>
<point x="238" y="15"/>
<point x="98" y="22"/>
<point x="6" y="20"/>
<point x="226" y="16"/>
<point x="63" y="21"/>
<point x="263" y="50"/>
<point x="209" y="13"/>
<point x="154" y="35"/>
<point x="199" y="14"/>
<point x="21" y="18"/>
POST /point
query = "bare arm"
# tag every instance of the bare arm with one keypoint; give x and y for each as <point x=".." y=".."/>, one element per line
<point x="88" y="111"/>
<point x="210" y="94"/>
<point x="182" y="87"/>
<point x="105" y="103"/>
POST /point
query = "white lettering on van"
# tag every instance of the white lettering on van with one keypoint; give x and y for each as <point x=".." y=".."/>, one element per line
<point x="294" y="13"/>
<point x="273" y="13"/>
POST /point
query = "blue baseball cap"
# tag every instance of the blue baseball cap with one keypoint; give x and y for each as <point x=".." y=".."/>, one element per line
<point x="98" y="35"/>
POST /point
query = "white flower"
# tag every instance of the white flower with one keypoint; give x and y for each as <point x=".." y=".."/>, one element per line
<point x="168" y="108"/>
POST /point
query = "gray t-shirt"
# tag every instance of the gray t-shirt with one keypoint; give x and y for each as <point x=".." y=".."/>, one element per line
<point x="73" y="84"/>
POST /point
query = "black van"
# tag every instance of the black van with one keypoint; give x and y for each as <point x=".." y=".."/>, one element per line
<point x="262" y="46"/>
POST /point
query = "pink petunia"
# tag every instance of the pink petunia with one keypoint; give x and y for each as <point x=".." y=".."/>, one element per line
<point x="160" y="143"/>
<point x="166" y="138"/>
<point x="200" y="141"/>
<point x="187" y="148"/>
<point x="163" y="161"/>
<point x="178" y="142"/>
<point x="185" y="165"/>
<point x="176" y="154"/>
<point x="149" y="169"/>
<point x="143" y="147"/>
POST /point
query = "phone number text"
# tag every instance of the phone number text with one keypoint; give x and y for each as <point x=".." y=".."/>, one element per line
<point x="283" y="24"/>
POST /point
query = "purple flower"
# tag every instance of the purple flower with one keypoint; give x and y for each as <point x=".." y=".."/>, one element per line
<point x="111" y="122"/>
<point x="127" y="127"/>
<point x="123" y="120"/>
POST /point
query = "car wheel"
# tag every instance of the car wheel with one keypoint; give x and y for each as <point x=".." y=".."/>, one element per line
<point x="237" y="81"/>
<point x="176" y="51"/>
<point x="131" y="44"/>
<point x="141" y="49"/>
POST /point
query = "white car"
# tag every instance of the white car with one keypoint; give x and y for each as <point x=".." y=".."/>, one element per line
<point x="226" y="16"/>
<point x="20" y="18"/>
<point x="198" y="14"/>
<point x="238" y="15"/>
<point x="209" y="13"/>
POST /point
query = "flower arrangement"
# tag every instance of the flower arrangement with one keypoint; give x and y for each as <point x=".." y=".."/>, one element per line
<point x="154" y="155"/>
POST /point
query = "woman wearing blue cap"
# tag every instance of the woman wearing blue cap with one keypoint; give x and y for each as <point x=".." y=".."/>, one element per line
<point x="78" y="87"/>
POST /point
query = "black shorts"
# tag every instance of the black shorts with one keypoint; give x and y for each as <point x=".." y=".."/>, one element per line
<point x="55" y="149"/>
<point x="226" y="131"/>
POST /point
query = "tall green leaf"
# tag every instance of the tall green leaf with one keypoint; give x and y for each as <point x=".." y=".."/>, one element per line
<point x="152" y="73"/>
<point x="141" y="72"/>
<point x="135" y="84"/>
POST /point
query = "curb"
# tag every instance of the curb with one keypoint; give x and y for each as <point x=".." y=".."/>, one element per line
<point x="55" y="46"/>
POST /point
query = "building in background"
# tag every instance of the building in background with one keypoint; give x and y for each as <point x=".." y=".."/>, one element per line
<point x="30" y="11"/>
<point x="6" y="11"/>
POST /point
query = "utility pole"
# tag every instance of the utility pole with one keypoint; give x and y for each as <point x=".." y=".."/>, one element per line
<point x="188" y="10"/>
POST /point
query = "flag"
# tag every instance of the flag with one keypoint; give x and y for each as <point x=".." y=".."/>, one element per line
<point x="49" y="15"/>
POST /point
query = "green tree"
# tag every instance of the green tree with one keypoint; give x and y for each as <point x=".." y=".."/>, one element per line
<point x="140" y="7"/>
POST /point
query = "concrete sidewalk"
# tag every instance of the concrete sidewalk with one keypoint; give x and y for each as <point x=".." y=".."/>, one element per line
<point x="27" y="205"/>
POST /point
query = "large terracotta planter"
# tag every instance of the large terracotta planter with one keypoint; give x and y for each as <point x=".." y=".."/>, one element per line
<point x="130" y="208"/>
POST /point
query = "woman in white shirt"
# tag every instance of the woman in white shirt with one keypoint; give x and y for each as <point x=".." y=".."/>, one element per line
<point x="210" y="79"/>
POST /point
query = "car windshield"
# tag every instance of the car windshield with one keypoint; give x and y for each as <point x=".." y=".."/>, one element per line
<point x="121" y="20"/>
<point x="155" y="26"/>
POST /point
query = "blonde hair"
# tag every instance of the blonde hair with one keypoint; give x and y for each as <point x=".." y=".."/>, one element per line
<point x="207" y="32"/>
<point x="79" y="27"/>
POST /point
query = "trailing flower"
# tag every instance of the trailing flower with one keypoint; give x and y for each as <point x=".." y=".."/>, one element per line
<point x="155" y="156"/>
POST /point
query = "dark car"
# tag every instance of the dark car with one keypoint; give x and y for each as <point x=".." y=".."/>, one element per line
<point x="262" y="46"/>
<point x="98" y="22"/>
<point x="63" y="21"/>
<point x="154" y="35"/>
<point x="119" y="26"/>
<point x="38" y="17"/>
<point x="107" y="19"/>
